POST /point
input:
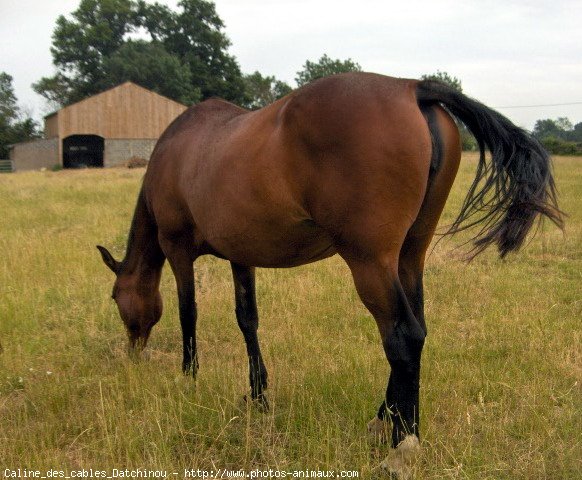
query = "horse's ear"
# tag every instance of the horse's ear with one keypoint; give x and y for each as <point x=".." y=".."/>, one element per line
<point x="109" y="260"/>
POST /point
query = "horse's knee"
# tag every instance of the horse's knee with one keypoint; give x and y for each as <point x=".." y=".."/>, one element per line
<point x="404" y="344"/>
<point x="405" y="341"/>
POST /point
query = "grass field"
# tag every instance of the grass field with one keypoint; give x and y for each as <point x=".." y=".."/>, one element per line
<point x="501" y="393"/>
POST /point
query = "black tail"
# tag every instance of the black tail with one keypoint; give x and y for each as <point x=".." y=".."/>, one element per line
<point x="513" y="187"/>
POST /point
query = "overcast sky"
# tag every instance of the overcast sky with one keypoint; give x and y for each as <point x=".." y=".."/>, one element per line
<point x="505" y="52"/>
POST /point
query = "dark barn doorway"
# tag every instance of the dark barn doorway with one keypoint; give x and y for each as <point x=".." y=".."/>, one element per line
<point x="81" y="151"/>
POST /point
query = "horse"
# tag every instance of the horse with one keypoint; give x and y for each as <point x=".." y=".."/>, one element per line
<point x="356" y="164"/>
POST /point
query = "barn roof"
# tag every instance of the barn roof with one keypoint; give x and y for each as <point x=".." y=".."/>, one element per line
<point x="121" y="85"/>
<point x="125" y="111"/>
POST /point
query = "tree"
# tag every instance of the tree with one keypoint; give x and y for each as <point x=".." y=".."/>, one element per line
<point x="577" y="133"/>
<point x="15" y="127"/>
<point x="185" y="56"/>
<point x="8" y="112"/>
<point x="195" y="36"/>
<point x="263" y="91"/>
<point x="559" y="136"/>
<point x="564" y="124"/>
<point x="8" y="107"/>
<point x="559" y="146"/>
<point x="560" y="128"/>
<point x="150" y="65"/>
<point x="546" y="128"/>
<point x="444" y="77"/>
<point x="57" y="90"/>
<point x="324" y="67"/>
<point x="98" y="28"/>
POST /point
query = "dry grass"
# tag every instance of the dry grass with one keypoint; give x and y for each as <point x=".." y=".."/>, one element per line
<point x="501" y="381"/>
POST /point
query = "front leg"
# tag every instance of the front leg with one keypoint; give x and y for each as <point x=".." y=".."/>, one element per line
<point x="182" y="263"/>
<point x="188" y="317"/>
<point x="248" y="322"/>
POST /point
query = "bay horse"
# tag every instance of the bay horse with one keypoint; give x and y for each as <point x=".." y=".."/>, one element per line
<point x="356" y="164"/>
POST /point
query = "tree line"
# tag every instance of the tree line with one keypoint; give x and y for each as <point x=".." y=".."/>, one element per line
<point x="15" y="125"/>
<point x="181" y="54"/>
<point x="559" y="136"/>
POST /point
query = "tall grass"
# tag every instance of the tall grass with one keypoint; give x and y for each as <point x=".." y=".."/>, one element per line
<point x="502" y="367"/>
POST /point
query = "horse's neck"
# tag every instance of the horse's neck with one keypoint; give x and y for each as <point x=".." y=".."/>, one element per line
<point x="144" y="257"/>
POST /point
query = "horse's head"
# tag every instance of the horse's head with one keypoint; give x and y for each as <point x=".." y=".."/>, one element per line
<point x="138" y="300"/>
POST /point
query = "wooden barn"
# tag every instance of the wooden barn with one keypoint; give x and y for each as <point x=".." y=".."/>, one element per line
<point x="104" y="130"/>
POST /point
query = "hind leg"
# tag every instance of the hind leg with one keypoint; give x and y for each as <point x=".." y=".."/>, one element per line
<point x="410" y="276"/>
<point x="248" y="322"/>
<point x="380" y="289"/>
<point x="413" y="251"/>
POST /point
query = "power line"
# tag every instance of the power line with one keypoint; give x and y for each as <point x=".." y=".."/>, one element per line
<point x="543" y="105"/>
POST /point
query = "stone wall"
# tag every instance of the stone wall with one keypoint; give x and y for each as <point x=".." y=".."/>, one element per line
<point x="119" y="151"/>
<point x="36" y="154"/>
<point x="44" y="153"/>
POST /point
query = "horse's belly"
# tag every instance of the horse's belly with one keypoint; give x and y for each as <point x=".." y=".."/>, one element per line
<point x="273" y="246"/>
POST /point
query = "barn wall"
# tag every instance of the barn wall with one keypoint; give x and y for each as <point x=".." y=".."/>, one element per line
<point x="126" y="111"/>
<point x="36" y="154"/>
<point x="119" y="151"/>
<point x="51" y="126"/>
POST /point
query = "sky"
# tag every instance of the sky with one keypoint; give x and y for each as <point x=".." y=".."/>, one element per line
<point x="507" y="53"/>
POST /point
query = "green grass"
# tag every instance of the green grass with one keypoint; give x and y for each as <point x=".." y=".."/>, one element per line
<point x="502" y="367"/>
